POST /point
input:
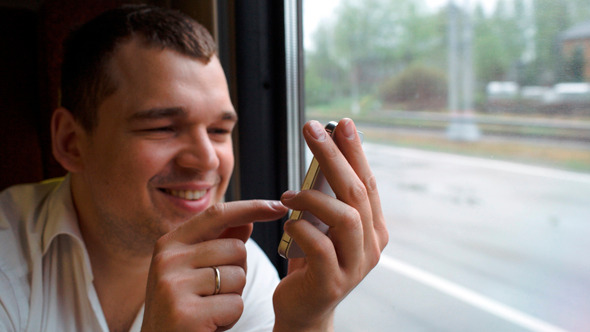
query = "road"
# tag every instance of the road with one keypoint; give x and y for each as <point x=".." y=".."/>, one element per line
<point x="475" y="245"/>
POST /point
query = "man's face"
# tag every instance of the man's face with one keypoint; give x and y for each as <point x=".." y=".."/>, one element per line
<point x="162" y="150"/>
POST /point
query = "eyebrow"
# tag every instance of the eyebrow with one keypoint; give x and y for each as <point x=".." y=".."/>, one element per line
<point x="157" y="113"/>
<point x="174" y="112"/>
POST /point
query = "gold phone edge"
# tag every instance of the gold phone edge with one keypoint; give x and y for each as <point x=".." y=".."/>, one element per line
<point x="307" y="184"/>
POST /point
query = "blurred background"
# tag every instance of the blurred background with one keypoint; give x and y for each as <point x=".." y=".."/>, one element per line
<point x="476" y="117"/>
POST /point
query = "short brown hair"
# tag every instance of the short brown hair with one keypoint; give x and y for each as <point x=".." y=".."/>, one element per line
<point x="85" y="80"/>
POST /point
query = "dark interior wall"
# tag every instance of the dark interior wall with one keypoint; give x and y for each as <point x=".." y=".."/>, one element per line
<point x="56" y="19"/>
<point x="19" y="140"/>
<point x="262" y="108"/>
<point x="31" y="36"/>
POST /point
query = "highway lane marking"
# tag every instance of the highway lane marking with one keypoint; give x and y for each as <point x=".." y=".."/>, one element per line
<point x="468" y="296"/>
<point x="500" y="165"/>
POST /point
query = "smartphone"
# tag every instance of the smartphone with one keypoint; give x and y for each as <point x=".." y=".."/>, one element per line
<point x="314" y="179"/>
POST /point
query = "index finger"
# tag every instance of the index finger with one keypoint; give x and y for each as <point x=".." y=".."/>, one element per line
<point x="211" y="223"/>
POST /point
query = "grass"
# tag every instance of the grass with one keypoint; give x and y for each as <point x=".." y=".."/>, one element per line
<point x="573" y="157"/>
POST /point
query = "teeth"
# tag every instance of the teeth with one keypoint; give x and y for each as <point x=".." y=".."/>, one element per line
<point x="191" y="195"/>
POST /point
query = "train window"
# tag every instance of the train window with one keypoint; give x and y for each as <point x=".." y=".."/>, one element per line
<point x="476" y="117"/>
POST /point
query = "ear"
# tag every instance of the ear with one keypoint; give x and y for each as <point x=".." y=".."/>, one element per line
<point x="66" y="138"/>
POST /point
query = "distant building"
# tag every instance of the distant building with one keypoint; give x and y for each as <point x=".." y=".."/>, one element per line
<point x="578" y="37"/>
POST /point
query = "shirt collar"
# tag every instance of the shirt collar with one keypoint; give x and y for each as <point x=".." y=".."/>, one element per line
<point x="61" y="219"/>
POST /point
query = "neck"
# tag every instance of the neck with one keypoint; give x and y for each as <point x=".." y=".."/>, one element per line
<point x="120" y="273"/>
<point x="120" y="280"/>
<point x="112" y="262"/>
<point x="113" y="252"/>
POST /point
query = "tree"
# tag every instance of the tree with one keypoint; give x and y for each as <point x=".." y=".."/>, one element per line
<point x="324" y="75"/>
<point x="500" y="41"/>
<point x="371" y="40"/>
<point x="550" y="19"/>
<point x="573" y="70"/>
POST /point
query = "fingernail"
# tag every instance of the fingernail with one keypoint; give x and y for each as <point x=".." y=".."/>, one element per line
<point x="317" y="131"/>
<point x="288" y="195"/>
<point x="348" y="129"/>
<point x="276" y="205"/>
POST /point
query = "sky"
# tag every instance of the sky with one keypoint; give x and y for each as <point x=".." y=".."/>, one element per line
<point x="314" y="11"/>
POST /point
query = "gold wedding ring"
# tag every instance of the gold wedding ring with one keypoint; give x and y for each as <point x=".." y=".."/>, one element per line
<point x="217" y="280"/>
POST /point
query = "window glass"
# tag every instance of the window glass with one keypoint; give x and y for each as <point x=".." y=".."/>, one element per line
<point x="476" y="117"/>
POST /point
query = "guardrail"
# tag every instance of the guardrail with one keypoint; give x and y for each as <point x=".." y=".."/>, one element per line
<point x="534" y="127"/>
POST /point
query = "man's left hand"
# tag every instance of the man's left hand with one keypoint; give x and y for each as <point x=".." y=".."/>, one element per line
<point x="334" y="264"/>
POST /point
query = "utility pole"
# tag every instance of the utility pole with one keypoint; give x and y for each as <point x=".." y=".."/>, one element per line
<point x="453" y="70"/>
<point x="462" y="126"/>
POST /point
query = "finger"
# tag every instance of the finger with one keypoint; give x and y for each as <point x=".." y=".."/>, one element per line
<point x="346" y="231"/>
<point x="223" y="310"/>
<point x="232" y="279"/>
<point x="219" y="252"/>
<point x="204" y="254"/>
<point x="202" y="281"/>
<point x="338" y="171"/>
<point x="348" y="141"/>
<point x="212" y="222"/>
<point x="241" y="233"/>
<point x="334" y="165"/>
<point x="319" y="250"/>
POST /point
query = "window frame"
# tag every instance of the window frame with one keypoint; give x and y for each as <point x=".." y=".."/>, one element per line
<point x="260" y="47"/>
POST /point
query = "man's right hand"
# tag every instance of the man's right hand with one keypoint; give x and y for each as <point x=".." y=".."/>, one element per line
<point x="181" y="282"/>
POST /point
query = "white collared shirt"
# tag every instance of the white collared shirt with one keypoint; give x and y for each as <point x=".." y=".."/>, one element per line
<point x="46" y="277"/>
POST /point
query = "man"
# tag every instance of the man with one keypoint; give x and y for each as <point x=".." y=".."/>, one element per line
<point x="135" y="237"/>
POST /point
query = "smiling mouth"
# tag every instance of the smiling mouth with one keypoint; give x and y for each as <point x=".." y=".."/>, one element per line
<point x="191" y="195"/>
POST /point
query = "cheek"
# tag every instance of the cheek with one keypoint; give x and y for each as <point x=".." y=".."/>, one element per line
<point x="135" y="165"/>
<point x="225" y="169"/>
<point x="226" y="162"/>
<point x="148" y="161"/>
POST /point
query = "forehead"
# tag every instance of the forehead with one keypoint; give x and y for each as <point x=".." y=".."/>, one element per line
<point x="146" y="66"/>
<point x="154" y="78"/>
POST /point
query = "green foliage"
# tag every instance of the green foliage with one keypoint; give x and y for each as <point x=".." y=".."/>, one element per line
<point x="325" y="77"/>
<point x="317" y="89"/>
<point x="369" y="103"/>
<point x="551" y="18"/>
<point x="366" y="43"/>
<point x="365" y="47"/>
<point x="500" y="42"/>
<point x="416" y="87"/>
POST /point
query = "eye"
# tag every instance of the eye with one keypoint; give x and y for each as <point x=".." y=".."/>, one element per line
<point x="219" y="131"/>
<point x="220" y="134"/>
<point x="160" y="129"/>
<point x="159" y="132"/>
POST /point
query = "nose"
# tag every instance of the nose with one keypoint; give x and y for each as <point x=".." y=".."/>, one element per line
<point x="198" y="152"/>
